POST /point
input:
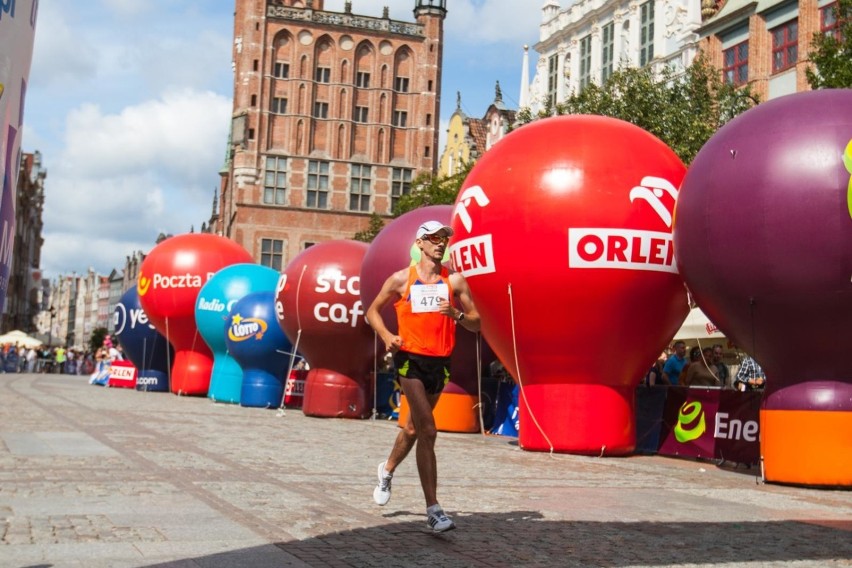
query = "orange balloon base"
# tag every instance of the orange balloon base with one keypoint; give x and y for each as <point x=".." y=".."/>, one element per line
<point x="807" y="447"/>
<point x="453" y="413"/>
<point x="586" y="419"/>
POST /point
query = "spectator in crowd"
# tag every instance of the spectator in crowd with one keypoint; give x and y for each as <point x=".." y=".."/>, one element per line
<point x="60" y="357"/>
<point x="675" y="363"/>
<point x="655" y="375"/>
<point x="32" y="355"/>
<point x="694" y="355"/>
<point x="722" y="370"/>
<point x="750" y="375"/>
<point x="701" y="372"/>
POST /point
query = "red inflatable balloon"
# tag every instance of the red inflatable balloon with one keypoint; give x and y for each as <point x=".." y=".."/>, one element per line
<point x="169" y="281"/>
<point x="563" y="231"/>
<point x="392" y="250"/>
<point x="319" y="308"/>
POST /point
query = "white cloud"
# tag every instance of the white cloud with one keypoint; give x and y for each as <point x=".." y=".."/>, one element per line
<point x="62" y="57"/>
<point x="124" y="178"/>
<point x="492" y="22"/>
<point x="183" y="134"/>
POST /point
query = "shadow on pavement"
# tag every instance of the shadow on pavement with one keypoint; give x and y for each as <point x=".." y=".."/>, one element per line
<point x="523" y="538"/>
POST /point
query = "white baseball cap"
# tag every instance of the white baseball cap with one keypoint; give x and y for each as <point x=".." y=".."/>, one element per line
<point x="432" y="227"/>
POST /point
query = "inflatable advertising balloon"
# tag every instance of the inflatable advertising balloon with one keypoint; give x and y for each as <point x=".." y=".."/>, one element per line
<point x="17" y="31"/>
<point x="563" y="231"/>
<point x="319" y="308"/>
<point x="763" y="238"/>
<point x="394" y="249"/>
<point x="215" y="300"/>
<point x="259" y="345"/>
<point x="170" y="279"/>
<point x="146" y="348"/>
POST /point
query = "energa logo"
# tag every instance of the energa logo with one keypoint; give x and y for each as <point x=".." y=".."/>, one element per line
<point x="690" y="422"/>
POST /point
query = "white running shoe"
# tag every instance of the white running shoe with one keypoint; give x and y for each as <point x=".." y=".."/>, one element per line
<point x="382" y="492"/>
<point x="438" y="521"/>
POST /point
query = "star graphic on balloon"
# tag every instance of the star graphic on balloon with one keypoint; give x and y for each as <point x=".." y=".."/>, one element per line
<point x="236" y="320"/>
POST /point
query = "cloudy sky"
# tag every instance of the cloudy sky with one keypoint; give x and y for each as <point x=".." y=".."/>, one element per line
<point x="129" y="105"/>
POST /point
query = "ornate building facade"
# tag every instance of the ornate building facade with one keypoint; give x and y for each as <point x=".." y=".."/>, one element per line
<point x="765" y="44"/>
<point x="589" y="40"/>
<point x="25" y="294"/>
<point x="334" y="115"/>
<point x="468" y="138"/>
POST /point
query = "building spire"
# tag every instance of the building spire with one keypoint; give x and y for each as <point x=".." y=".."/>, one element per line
<point x="524" y="99"/>
<point x="498" y="93"/>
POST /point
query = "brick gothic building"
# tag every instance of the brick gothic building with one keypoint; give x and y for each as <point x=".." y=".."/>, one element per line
<point x="334" y="115"/>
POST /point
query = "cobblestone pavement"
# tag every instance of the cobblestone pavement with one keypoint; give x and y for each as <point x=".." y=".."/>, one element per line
<point x="93" y="477"/>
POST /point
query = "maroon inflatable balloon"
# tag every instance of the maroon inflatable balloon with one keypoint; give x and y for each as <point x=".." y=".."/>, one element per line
<point x="319" y="308"/>
<point x="393" y="249"/>
<point x="169" y="281"/>
<point x="763" y="238"/>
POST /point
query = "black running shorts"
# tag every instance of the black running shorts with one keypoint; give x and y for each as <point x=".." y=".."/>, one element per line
<point x="433" y="372"/>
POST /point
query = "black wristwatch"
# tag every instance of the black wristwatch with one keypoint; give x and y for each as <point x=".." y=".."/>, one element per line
<point x="461" y="316"/>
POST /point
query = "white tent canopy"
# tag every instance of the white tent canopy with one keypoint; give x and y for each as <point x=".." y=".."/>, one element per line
<point x="698" y="326"/>
<point x="18" y="337"/>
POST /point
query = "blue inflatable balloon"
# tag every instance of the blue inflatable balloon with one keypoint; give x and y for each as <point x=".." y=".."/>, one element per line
<point x="259" y="345"/>
<point x="215" y="300"/>
<point x="143" y="345"/>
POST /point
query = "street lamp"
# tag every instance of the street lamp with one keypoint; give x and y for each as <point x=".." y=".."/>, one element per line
<point x="52" y="311"/>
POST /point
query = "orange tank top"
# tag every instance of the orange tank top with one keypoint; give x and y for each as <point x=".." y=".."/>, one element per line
<point x="425" y="332"/>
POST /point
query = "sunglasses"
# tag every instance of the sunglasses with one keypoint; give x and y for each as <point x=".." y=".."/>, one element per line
<point x="436" y="239"/>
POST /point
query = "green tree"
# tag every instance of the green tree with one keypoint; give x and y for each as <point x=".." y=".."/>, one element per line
<point x="432" y="190"/>
<point x="376" y="225"/>
<point x="831" y="54"/>
<point x="682" y="109"/>
<point x="97" y="338"/>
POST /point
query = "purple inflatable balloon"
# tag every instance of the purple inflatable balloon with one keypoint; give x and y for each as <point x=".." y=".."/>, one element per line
<point x="763" y="239"/>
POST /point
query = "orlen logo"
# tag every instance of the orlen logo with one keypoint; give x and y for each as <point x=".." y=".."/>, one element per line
<point x="690" y="422"/>
<point x="474" y="255"/>
<point x="122" y="373"/>
<point x="242" y="329"/>
<point x="171" y="281"/>
<point x="629" y="249"/>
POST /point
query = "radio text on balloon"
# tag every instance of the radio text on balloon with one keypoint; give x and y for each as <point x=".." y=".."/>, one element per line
<point x="338" y="313"/>
<point x="339" y="283"/>
<point x="626" y="249"/>
<point x="473" y="256"/>
<point x="214" y="305"/>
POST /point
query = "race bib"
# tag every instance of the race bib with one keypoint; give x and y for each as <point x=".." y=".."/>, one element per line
<point x="426" y="297"/>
